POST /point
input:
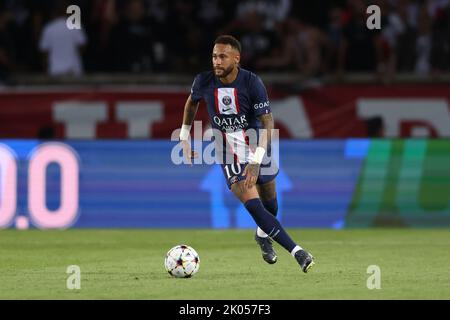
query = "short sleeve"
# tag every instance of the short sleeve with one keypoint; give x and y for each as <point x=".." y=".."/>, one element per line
<point x="44" y="43"/>
<point x="196" y="89"/>
<point x="260" y="100"/>
<point x="79" y="37"/>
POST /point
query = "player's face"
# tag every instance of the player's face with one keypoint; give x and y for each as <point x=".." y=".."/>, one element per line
<point x="224" y="59"/>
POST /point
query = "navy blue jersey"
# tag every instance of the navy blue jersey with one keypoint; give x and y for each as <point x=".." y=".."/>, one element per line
<point x="233" y="108"/>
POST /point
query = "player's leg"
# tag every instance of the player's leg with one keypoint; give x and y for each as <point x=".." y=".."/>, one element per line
<point x="269" y="224"/>
<point x="267" y="194"/>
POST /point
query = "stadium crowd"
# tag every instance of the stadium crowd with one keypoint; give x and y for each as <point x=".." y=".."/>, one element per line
<point x="158" y="36"/>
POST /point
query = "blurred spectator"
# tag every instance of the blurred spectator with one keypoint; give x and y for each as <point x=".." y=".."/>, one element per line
<point x="159" y="14"/>
<point x="7" y="49"/>
<point x="187" y="49"/>
<point x="440" y="40"/>
<point x="101" y="20"/>
<point x="270" y="11"/>
<point x="62" y="46"/>
<point x="315" y="13"/>
<point x="393" y="26"/>
<point x="309" y="37"/>
<point x="360" y="49"/>
<point x="375" y="127"/>
<point x="301" y="51"/>
<point x="256" y="40"/>
<point x="132" y="40"/>
<point x="334" y="34"/>
<point x="406" y="41"/>
<point x="212" y="16"/>
<point x="423" y="42"/>
<point x="46" y="132"/>
<point x="27" y="41"/>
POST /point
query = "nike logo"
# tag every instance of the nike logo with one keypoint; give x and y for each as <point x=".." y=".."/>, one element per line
<point x="226" y="110"/>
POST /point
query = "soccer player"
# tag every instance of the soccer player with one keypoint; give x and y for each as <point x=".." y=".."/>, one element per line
<point x="237" y="102"/>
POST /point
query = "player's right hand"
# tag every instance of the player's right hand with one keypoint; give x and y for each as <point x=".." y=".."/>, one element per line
<point x="188" y="153"/>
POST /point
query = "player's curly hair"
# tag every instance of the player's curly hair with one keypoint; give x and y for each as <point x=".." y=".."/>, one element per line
<point x="227" y="39"/>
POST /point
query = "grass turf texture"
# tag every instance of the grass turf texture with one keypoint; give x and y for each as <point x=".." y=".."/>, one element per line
<point x="128" y="264"/>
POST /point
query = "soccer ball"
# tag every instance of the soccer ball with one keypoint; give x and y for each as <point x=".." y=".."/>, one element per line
<point x="182" y="261"/>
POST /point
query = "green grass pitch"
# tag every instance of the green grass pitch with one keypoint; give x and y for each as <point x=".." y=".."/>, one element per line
<point x="128" y="264"/>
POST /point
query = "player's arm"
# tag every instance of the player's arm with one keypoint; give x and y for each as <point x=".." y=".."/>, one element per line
<point x="265" y="139"/>
<point x="266" y="133"/>
<point x="190" y="110"/>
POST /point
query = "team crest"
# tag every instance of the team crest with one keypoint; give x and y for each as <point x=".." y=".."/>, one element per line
<point x="226" y="100"/>
<point x="234" y="179"/>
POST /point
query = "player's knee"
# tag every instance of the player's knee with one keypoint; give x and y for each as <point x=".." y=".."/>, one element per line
<point x="271" y="206"/>
<point x="242" y="192"/>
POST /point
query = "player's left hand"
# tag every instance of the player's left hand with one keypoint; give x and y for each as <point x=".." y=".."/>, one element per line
<point x="252" y="172"/>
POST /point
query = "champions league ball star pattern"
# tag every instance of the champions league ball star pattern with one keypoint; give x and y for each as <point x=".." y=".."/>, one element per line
<point x="182" y="261"/>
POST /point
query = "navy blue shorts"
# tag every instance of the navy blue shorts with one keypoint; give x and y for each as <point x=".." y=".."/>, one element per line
<point x="234" y="173"/>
